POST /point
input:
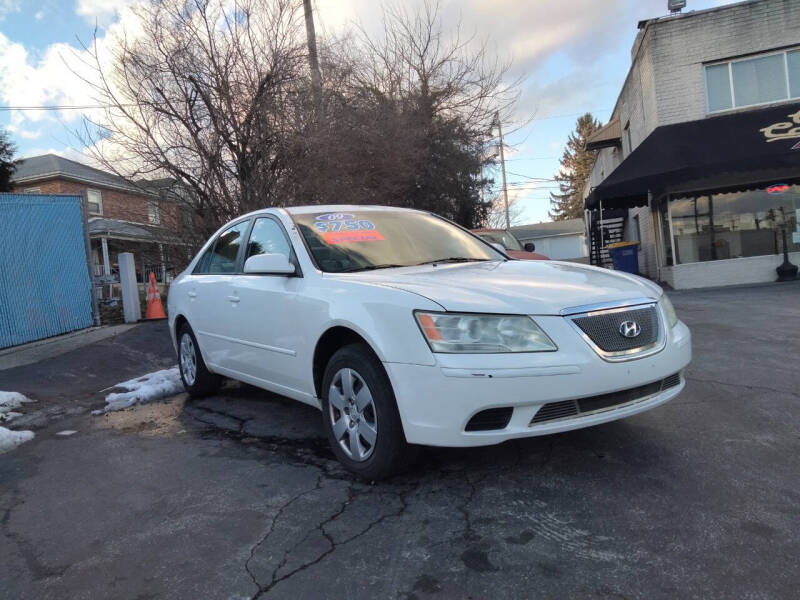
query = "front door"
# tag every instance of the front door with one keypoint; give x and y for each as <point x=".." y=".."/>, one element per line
<point x="271" y="335"/>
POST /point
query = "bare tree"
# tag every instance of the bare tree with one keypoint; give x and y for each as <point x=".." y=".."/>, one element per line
<point x="407" y="117"/>
<point x="217" y="96"/>
<point x="496" y="217"/>
<point x="199" y="95"/>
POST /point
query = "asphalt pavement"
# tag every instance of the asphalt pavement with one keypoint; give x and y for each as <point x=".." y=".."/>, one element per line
<point x="238" y="495"/>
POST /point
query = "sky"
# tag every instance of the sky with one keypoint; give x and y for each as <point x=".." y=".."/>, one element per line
<point x="573" y="56"/>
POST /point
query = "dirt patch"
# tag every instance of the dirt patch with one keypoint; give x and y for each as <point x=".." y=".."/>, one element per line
<point x="152" y="419"/>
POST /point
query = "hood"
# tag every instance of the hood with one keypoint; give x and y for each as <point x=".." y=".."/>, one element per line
<point x="525" y="255"/>
<point x="513" y="287"/>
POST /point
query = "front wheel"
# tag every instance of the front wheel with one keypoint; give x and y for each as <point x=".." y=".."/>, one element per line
<point x="360" y="414"/>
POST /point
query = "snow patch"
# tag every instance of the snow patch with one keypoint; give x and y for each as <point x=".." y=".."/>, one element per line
<point x="11" y="400"/>
<point x="147" y="388"/>
<point x="11" y="439"/>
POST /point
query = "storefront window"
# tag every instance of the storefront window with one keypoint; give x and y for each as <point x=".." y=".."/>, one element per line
<point x="734" y="225"/>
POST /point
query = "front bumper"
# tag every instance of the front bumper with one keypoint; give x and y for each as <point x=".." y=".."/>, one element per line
<point x="437" y="402"/>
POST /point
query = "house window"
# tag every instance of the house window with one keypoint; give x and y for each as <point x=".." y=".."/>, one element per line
<point x="35" y="190"/>
<point x="94" y="201"/>
<point x="752" y="81"/>
<point x="154" y="212"/>
<point x="188" y="218"/>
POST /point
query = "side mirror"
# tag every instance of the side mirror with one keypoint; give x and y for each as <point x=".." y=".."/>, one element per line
<point x="269" y="264"/>
<point x="530" y="247"/>
<point x="499" y="247"/>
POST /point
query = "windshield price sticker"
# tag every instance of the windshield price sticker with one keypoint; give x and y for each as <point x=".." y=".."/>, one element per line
<point x="343" y="228"/>
<point x="346" y="237"/>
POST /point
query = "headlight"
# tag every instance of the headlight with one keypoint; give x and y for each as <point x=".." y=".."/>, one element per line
<point x="669" y="310"/>
<point x="482" y="334"/>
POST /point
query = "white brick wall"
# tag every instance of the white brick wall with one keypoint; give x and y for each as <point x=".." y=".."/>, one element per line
<point x="666" y="85"/>
<point x="681" y="46"/>
<point x="648" y="265"/>
<point x="753" y="269"/>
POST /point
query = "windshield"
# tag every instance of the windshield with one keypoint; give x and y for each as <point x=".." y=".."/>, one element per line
<point x="504" y="238"/>
<point x="372" y="239"/>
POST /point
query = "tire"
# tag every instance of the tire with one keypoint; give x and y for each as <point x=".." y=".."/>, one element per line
<point x="364" y="430"/>
<point x="196" y="377"/>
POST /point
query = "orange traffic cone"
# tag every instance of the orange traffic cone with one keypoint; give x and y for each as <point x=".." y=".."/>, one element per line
<point x="155" y="310"/>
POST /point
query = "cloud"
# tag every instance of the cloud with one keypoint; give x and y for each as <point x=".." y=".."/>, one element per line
<point x="29" y="134"/>
<point x="102" y="12"/>
<point x="25" y="81"/>
<point x="7" y="7"/>
<point x="39" y="15"/>
<point x="66" y="152"/>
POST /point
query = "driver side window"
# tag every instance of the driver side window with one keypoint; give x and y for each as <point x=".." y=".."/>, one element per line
<point x="267" y="237"/>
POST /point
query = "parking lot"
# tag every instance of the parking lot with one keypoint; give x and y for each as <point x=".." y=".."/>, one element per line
<point x="238" y="495"/>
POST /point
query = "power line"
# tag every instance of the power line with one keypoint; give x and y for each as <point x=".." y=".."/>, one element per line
<point x="534" y="178"/>
<point x="92" y="106"/>
<point x="66" y="106"/>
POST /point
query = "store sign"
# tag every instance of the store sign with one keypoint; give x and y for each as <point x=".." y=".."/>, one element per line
<point x="784" y="130"/>
<point x="778" y="188"/>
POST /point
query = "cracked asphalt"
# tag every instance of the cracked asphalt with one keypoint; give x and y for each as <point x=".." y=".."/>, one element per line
<point x="238" y="496"/>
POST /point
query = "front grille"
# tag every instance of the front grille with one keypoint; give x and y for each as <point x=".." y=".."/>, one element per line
<point x="491" y="418"/>
<point x="603" y="328"/>
<point x="574" y="408"/>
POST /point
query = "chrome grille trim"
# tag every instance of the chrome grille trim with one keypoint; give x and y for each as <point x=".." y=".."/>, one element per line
<point x="649" y="347"/>
<point x="603" y="306"/>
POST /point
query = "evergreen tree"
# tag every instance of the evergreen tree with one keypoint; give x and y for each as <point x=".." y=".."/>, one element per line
<point x="6" y="162"/>
<point x="576" y="166"/>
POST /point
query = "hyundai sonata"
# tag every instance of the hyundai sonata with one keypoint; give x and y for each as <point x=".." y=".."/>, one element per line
<point x="404" y="328"/>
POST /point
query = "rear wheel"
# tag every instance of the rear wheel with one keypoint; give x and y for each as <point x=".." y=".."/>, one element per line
<point x="197" y="379"/>
<point x="360" y="414"/>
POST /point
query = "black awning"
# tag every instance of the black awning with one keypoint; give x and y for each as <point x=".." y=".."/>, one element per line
<point x="728" y="151"/>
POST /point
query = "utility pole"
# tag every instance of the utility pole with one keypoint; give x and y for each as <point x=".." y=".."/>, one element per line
<point x="313" y="60"/>
<point x="503" y="168"/>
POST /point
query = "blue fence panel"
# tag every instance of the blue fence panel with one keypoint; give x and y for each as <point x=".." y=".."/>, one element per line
<point x="45" y="288"/>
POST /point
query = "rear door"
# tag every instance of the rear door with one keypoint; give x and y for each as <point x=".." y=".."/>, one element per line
<point x="213" y="315"/>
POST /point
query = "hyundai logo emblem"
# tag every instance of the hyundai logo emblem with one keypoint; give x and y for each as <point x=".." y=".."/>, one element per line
<point x="629" y="329"/>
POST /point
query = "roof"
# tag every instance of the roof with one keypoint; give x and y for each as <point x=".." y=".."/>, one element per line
<point x="325" y="208"/>
<point x="732" y="151"/>
<point x="609" y="134"/>
<point x="549" y="229"/>
<point x="692" y="13"/>
<point x="48" y="166"/>
<point x="115" y="228"/>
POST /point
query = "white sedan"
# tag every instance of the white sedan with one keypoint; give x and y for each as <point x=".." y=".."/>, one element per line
<point x="404" y="328"/>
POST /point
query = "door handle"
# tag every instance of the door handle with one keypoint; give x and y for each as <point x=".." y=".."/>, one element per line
<point x="234" y="298"/>
<point x="191" y="294"/>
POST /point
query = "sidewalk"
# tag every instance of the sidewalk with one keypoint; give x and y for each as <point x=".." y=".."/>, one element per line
<point x="80" y="366"/>
<point x="32" y="352"/>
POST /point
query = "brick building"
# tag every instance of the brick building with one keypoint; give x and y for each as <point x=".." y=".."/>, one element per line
<point x="700" y="160"/>
<point x="141" y="217"/>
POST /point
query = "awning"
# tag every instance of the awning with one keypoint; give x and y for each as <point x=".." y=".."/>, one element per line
<point x="607" y="136"/>
<point x="125" y="230"/>
<point x="730" y="152"/>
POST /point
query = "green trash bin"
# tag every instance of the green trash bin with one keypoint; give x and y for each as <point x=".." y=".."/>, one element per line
<point x="625" y="256"/>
